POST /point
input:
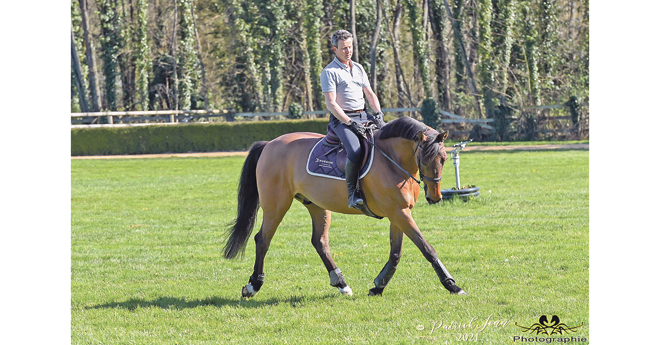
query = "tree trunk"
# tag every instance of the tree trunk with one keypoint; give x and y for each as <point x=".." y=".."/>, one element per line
<point x="486" y="58"/>
<point x="142" y="61"/>
<point x="438" y="15"/>
<point x="201" y="61"/>
<point x="374" y="44"/>
<point x="356" y="57"/>
<point x="174" y="62"/>
<point x="77" y="71"/>
<point x="308" y="93"/>
<point x="420" y="46"/>
<point x="313" y="26"/>
<point x="402" y="88"/>
<point x="328" y="11"/>
<point x="459" y="38"/>
<point x="94" y="89"/>
<point x="126" y="66"/>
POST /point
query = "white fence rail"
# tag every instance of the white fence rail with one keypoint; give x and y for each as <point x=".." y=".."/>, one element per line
<point x="171" y="116"/>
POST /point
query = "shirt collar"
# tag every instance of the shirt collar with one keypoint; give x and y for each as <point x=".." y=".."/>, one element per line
<point x="343" y="66"/>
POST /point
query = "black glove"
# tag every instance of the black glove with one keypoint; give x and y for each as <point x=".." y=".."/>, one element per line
<point x="357" y="128"/>
<point x="380" y="122"/>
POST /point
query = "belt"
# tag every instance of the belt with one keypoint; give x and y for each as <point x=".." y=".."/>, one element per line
<point x="353" y="111"/>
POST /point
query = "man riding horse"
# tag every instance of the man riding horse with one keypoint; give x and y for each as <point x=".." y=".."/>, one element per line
<point x="343" y="82"/>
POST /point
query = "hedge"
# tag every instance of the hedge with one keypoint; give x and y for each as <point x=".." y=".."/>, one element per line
<point x="182" y="138"/>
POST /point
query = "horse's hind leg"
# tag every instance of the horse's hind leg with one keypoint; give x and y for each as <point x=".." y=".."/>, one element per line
<point x="396" y="246"/>
<point x="273" y="213"/>
<point x="320" y="226"/>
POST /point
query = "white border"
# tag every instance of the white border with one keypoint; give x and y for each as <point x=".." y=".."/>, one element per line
<point x="366" y="171"/>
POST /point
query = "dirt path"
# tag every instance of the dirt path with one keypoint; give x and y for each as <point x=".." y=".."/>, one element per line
<point x="244" y="153"/>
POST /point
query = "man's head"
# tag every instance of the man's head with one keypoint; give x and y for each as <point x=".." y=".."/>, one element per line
<point x="342" y="44"/>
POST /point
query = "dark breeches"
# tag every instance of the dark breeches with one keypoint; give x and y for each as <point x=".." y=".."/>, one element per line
<point x="349" y="140"/>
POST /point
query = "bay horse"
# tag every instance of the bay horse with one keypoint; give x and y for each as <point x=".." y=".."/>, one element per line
<point x="274" y="174"/>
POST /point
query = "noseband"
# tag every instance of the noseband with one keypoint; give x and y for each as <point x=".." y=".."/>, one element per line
<point x="419" y="166"/>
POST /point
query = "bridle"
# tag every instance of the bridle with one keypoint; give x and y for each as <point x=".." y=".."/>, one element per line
<point x="419" y="166"/>
<point x="417" y="162"/>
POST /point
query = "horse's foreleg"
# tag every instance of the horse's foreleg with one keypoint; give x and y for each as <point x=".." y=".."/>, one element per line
<point x="406" y="223"/>
<point x="320" y="226"/>
<point x="396" y="246"/>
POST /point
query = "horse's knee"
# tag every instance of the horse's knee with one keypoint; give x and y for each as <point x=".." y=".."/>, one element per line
<point x="395" y="258"/>
<point x="320" y="243"/>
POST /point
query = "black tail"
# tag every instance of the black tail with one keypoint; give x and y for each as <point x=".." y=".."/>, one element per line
<point x="248" y="204"/>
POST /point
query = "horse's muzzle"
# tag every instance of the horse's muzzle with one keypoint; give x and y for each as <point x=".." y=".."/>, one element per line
<point x="431" y="201"/>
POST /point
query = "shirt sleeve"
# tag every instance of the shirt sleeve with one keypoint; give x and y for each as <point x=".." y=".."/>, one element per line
<point x="327" y="82"/>
<point x="365" y="78"/>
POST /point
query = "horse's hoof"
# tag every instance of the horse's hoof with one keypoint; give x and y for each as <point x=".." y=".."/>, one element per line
<point x="460" y="292"/>
<point x="375" y="292"/>
<point x="248" y="291"/>
<point x="346" y="291"/>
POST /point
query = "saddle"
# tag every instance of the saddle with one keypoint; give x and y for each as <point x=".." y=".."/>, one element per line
<point x="328" y="159"/>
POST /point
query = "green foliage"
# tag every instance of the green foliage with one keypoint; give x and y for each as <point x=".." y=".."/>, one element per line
<point x="531" y="54"/>
<point x="522" y="52"/>
<point x="183" y="138"/>
<point x="111" y="42"/>
<point x="313" y="11"/>
<point x="420" y="45"/>
<point x="503" y="41"/>
<point x="430" y="113"/>
<point x="190" y="78"/>
<point x="459" y="72"/>
<point x="575" y="108"/>
<point x="486" y="56"/>
<point x="142" y="56"/>
<point x="295" y="111"/>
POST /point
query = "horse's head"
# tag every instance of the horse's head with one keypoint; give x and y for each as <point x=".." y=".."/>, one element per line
<point x="430" y="158"/>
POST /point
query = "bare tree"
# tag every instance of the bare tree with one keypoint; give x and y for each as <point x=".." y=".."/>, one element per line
<point x="374" y="43"/>
<point x="91" y="59"/>
<point x="77" y="71"/>
<point x="356" y="56"/>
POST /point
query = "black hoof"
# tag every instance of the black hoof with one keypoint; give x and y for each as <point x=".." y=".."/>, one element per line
<point x="453" y="288"/>
<point x="376" y="291"/>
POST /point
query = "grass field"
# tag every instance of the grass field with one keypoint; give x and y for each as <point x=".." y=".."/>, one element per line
<point x="146" y="261"/>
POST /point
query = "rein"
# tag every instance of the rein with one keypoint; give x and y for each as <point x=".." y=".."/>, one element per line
<point x="422" y="177"/>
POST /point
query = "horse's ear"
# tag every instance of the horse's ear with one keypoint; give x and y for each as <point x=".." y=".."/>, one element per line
<point x="442" y="136"/>
<point x="421" y="136"/>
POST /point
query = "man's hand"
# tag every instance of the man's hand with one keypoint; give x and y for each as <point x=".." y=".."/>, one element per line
<point x="380" y="122"/>
<point x="358" y="128"/>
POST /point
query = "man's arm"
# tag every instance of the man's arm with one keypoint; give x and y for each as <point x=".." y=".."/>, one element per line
<point x="331" y="104"/>
<point x="371" y="98"/>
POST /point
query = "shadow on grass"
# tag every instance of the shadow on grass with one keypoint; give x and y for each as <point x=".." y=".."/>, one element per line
<point x="179" y="303"/>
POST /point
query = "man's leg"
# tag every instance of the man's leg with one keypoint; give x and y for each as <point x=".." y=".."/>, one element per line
<point x="352" y="168"/>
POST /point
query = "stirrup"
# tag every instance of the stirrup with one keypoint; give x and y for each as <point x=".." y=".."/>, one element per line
<point x="355" y="202"/>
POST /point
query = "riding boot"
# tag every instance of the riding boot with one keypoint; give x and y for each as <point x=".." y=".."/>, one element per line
<point x="352" y="171"/>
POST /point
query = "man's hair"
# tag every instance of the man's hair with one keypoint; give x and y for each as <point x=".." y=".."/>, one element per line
<point x="340" y="35"/>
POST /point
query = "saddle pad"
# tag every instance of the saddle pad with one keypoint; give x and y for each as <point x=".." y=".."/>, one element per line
<point x="329" y="161"/>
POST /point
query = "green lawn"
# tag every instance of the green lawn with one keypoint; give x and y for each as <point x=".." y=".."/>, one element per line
<point x="146" y="262"/>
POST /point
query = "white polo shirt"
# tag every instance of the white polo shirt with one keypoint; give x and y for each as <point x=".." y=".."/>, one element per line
<point x="347" y="83"/>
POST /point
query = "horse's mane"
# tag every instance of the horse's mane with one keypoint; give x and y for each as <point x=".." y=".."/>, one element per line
<point x="407" y="128"/>
<point x="404" y="127"/>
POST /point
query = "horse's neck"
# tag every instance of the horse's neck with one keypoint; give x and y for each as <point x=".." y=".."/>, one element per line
<point x="401" y="151"/>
